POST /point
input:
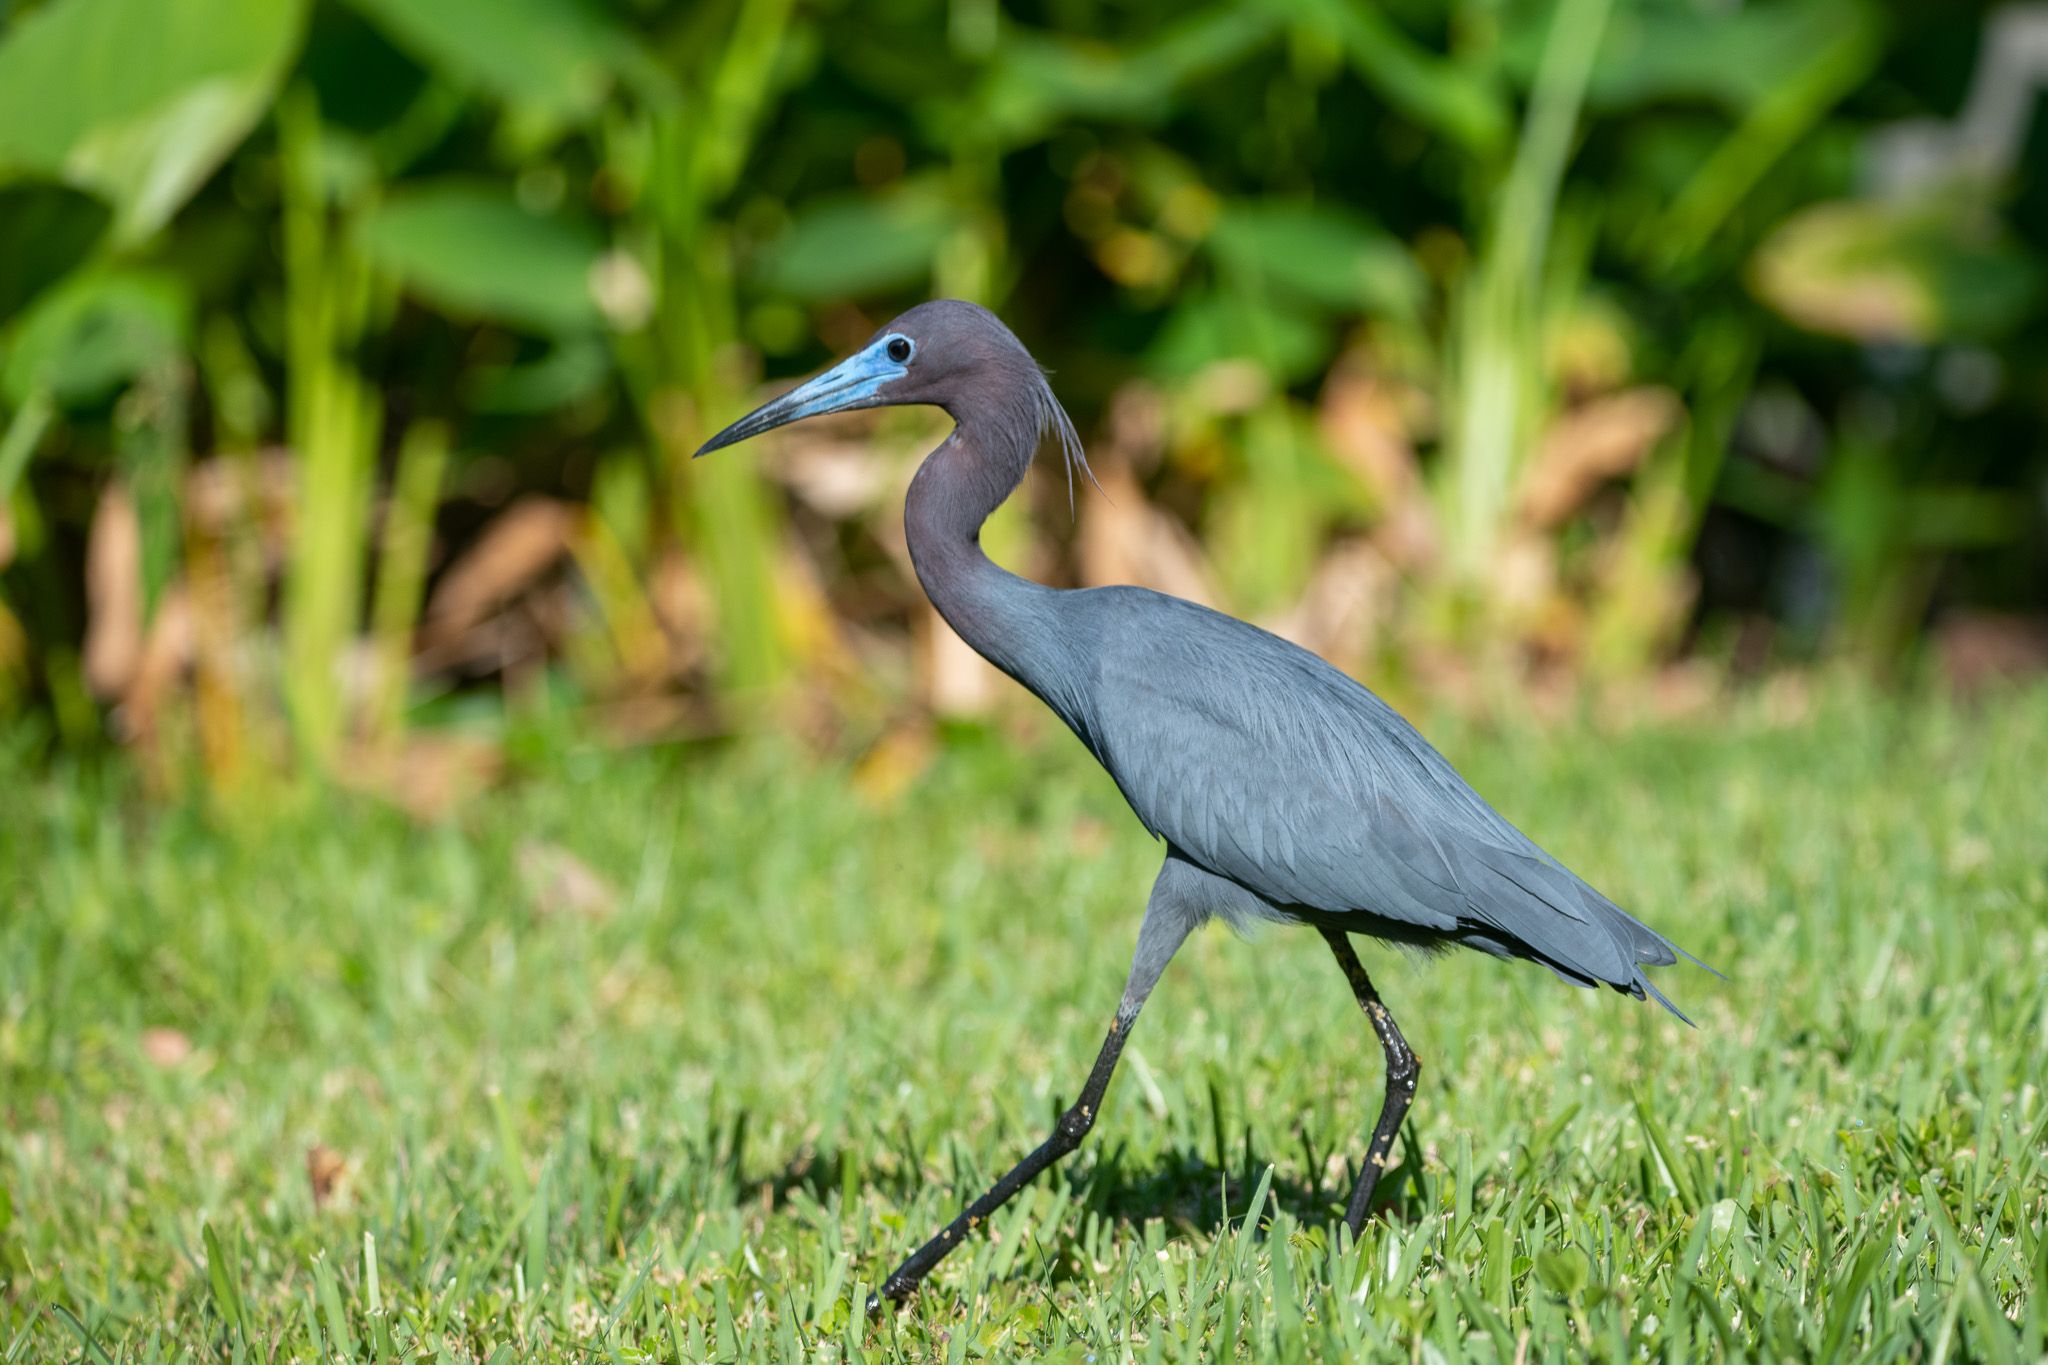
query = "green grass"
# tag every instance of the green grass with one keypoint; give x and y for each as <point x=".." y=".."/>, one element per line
<point x="697" y="1122"/>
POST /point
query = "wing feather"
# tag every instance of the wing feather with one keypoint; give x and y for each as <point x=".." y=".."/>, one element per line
<point x="1265" y="765"/>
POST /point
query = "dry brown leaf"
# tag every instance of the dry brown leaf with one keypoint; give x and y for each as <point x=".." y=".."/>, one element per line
<point x="1523" y="577"/>
<point x="324" y="1169"/>
<point x="1135" y="427"/>
<point x="165" y="654"/>
<point x="1124" y="539"/>
<point x="113" y="594"/>
<point x="681" y="604"/>
<point x="1980" y="648"/>
<point x="650" y="718"/>
<point x="227" y="492"/>
<point x="957" y="681"/>
<point x="515" y="550"/>
<point x="558" y="882"/>
<point x="1370" y="423"/>
<point x="1592" y="443"/>
<point x="427" y="776"/>
<point x="166" y="1047"/>
<point x="6" y="535"/>
<point x="1340" y="611"/>
<point x="230" y="719"/>
<point x="677" y="594"/>
<point x="1685" y="689"/>
<point x="836" y="478"/>
<point x="503" y="644"/>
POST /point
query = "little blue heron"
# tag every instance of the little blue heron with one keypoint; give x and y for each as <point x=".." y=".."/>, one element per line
<point x="1283" y="789"/>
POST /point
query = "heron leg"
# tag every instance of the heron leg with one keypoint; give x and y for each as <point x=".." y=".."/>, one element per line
<point x="1403" y="1070"/>
<point x="1166" y="927"/>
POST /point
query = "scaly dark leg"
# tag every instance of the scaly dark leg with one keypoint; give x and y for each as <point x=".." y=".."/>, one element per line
<point x="1167" y="922"/>
<point x="1402" y="1072"/>
<point x="1066" y="1136"/>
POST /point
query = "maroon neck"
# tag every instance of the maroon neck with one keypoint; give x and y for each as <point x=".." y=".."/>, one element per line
<point x="954" y="491"/>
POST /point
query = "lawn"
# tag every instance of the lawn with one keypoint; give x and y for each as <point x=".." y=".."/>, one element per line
<point x="666" y="1054"/>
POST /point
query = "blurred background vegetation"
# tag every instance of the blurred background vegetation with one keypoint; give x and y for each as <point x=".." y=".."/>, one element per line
<point x="352" y="351"/>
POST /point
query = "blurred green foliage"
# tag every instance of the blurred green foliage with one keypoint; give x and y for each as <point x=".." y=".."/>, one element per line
<point x="1568" y="334"/>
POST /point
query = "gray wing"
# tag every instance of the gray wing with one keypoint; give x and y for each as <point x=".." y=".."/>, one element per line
<point x="1264" y="764"/>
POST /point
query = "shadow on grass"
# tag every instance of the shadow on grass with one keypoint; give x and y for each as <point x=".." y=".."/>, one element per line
<point x="1179" y="1185"/>
<point x="1182" y="1185"/>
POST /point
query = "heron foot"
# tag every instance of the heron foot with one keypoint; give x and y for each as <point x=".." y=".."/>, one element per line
<point x="1403" y="1072"/>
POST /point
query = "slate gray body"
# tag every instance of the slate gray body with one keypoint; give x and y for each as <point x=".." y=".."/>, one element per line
<point x="1284" y="789"/>
<point x="1308" y="796"/>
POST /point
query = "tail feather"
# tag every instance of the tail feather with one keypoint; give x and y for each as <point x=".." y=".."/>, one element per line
<point x="1585" y="938"/>
<point x="1649" y="948"/>
<point x="1645" y="984"/>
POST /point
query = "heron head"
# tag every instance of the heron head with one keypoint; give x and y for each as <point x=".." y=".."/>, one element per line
<point x="947" y="353"/>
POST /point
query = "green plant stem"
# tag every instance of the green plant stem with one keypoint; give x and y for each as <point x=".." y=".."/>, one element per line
<point x="25" y="431"/>
<point x="724" y="510"/>
<point x="1498" y="361"/>
<point x="1763" y="136"/>
<point x="402" y="570"/>
<point x="333" y="420"/>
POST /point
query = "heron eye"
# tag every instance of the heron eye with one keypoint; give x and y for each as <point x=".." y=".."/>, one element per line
<point x="900" y="349"/>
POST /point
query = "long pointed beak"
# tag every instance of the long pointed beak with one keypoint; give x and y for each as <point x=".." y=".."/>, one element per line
<point x="855" y="382"/>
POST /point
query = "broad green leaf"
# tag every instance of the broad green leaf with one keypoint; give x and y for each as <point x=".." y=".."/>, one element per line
<point x="1732" y="56"/>
<point x="46" y="231"/>
<point x="858" y="246"/>
<point x="571" y="372"/>
<point x="557" y="58"/>
<point x="1879" y="271"/>
<point x="1039" y="82"/>
<point x="95" y="333"/>
<point x="139" y="100"/>
<point x="468" y="248"/>
<point x="1433" y="90"/>
<point x="1322" y="254"/>
<point x="1284" y="342"/>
